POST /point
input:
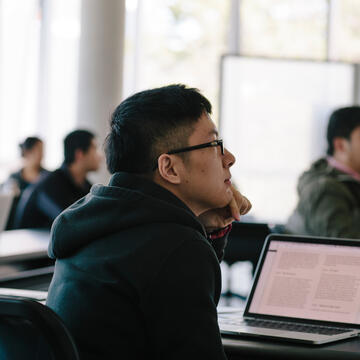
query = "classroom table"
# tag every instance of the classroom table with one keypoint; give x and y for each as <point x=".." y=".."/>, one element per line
<point x="242" y="348"/>
<point x="31" y="244"/>
<point x="24" y="244"/>
<point x="24" y="263"/>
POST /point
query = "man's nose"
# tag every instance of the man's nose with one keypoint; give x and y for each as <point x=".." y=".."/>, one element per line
<point x="229" y="158"/>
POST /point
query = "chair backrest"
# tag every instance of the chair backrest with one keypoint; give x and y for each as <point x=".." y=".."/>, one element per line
<point x="27" y="214"/>
<point x="6" y="200"/>
<point x="30" y="330"/>
<point x="245" y="242"/>
<point x="20" y="220"/>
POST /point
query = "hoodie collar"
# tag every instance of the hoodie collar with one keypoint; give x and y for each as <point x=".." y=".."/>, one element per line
<point x="128" y="201"/>
<point x="146" y="186"/>
<point x="343" y="168"/>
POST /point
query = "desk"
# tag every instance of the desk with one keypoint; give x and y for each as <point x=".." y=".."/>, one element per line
<point x="246" y="348"/>
<point x="25" y="244"/>
<point x="24" y="263"/>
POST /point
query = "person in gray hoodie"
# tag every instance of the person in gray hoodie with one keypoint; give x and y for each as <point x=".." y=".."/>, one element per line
<point x="137" y="271"/>
<point x="329" y="192"/>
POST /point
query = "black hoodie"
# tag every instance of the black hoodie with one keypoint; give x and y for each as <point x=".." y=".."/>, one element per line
<point x="135" y="276"/>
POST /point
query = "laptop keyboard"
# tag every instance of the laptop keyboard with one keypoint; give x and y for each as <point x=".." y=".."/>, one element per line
<point x="279" y="325"/>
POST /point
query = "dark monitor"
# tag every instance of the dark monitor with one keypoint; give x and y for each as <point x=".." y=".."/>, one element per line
<point x="245" y="242"/>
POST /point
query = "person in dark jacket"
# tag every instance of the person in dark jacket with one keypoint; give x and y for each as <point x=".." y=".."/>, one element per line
<point x="329" y="192"/>
<point x="31" y="172"/>
<point x="137" y="272"/>
<point x="32" y="150"/>
<point x="40" y="204"/>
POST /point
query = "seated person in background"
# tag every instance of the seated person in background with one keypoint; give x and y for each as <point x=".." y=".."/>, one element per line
<point x="329" y="192"/>
<point x="39" y="205"/>
<point x="137" y="272"/>
<point x="30" y="173"/>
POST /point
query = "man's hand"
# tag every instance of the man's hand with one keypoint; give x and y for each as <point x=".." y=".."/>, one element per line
<point x="219" y="218"/>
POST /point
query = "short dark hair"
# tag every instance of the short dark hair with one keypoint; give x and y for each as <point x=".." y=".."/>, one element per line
<point x="78" y="139"/>
<point x="342" y="122"/>
<point x="152" y="122"/>
<point x="28" y="144"/>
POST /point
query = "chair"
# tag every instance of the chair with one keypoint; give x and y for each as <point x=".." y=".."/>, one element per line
<point x="32" y="331"/>
<point x="244" y="244"/>
<point x="6" y="200"/>
<point x="27" y="214"/>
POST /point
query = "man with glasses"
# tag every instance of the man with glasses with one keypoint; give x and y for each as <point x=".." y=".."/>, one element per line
<point x="137" y="272"/>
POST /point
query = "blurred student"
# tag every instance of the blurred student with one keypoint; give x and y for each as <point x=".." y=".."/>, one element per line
<point x="329" y="192"/>
<point x="31" y="172"/>
<point x="137" y="272"/>
<point x="40" y="204"/>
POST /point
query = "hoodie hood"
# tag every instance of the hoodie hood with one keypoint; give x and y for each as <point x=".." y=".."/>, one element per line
<point x="128" y="201"/>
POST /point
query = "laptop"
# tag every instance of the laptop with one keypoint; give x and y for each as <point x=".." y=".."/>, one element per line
<point x="305" y="289"/>
<point x="5" y="207"/>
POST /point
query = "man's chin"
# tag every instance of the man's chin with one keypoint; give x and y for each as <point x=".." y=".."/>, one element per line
<point x="223" y="202"/>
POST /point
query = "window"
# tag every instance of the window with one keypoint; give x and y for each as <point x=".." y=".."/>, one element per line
<point x="345" y="43"/>
<point x="38" y="72"/>
<point x="284" y="28"/>
<point x="174" y="41"/>
<point x="19" y="63"/>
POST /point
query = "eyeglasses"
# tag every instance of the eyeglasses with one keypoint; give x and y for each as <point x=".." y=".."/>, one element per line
<point x="200" y="146"/>
<point x="195" y="147"/>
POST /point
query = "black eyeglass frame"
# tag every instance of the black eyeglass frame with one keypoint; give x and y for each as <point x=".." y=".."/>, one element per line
<point x="218" y="142"/>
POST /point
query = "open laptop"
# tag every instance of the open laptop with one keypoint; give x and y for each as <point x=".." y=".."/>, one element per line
<point x="5" y="207"/>
<point x="306" y="289"/>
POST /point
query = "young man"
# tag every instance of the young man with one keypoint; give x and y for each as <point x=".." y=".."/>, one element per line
<point x="137" y="273"/>
<point x="32" y="150"/>
<point x="329" y="192"/>
<point x="41" y="204"/>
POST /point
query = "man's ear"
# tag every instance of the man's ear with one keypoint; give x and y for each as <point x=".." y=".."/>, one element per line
<point x="79" y="154"/>
<point x="340" y="144"/>
<point x="168" y="167"/>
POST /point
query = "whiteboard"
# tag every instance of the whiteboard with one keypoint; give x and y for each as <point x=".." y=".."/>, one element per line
<point x="273" y="117"/>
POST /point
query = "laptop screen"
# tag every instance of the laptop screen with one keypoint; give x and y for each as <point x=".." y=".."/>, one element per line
<point x="308" y="279"/>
